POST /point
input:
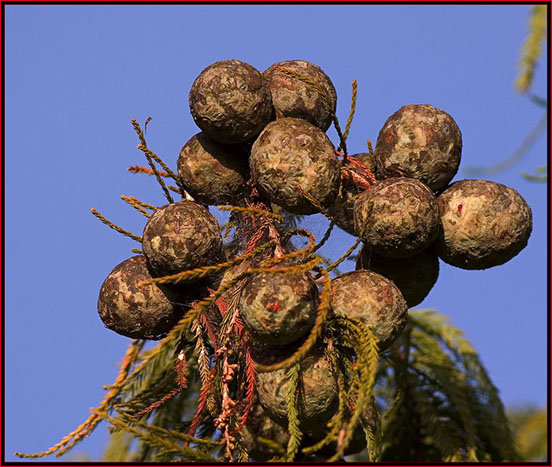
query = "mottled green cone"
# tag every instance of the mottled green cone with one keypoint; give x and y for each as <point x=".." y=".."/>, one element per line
<point x="422" y="142"/>
<point x="292" y="97"/>
<point x="230" y="101"/>
<point x="181" y="236"/>
<point x="213" y="173"/>
<point x="289" y="154"/>
<point x="342" y="210"/>
<point x="279" y="309"/>
<point x="372" y="299"/>
<point x="317" y="397"/>
<point x="398" y="217"/>
<point x="259" y="424"/>
<point x="133" y="310"/>
<point x="369" y="418"/>
<point x="414" y="276"/>
<point x="484" y="224"/>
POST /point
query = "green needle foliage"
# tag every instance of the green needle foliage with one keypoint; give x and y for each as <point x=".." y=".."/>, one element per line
<point x="532" y="47"/>
<point x="293" y="423"/>
<point x="441" y="404"/>
<point x="436" y="400"/>
<point x="530" y="425"/>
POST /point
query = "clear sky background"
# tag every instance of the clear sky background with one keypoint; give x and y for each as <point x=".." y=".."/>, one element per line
<point x="75" y="77"/>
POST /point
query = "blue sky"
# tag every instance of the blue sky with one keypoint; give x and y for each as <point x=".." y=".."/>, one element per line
<point x="75" y="75"/>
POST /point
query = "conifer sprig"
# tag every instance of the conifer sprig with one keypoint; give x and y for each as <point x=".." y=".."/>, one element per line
<point x="199" y="273"/>
<point x="365" y="345"/>
<point x="304" y="252"/>
<point x="150" y="157"/>
<point x="315" y="203"/>
<point x="140" y="206"/>
<point x="115" y="227"/>
<point x="204" y="444"/>
<point x="152" y="437"/>
<point x="325" y="237"/>
<point x="295" y="434"/>
<point x="532" y="47"/>
<point x="370" y="147"/>
<point x="250" y="211"/>
<point x="351" y="111"/>
<point x="348" y="253"/>
<point x="139" y="169"/>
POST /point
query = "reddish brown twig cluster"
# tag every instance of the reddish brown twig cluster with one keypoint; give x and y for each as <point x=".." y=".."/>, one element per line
<point x="355" y="179"/>
<point x="256" y="229"/>
<point x="357" y="173"/>
<point x="237" y="378"/>
<point x="181" y="384"/>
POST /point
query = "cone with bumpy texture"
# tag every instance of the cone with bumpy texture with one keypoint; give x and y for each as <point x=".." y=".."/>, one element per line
<point x="369" y="418"/>
<point x="230" y="101"/>
<point x="422" y="142"/>
<point x="484" y="224"/>
<point x="213" y="173"/>
<point x="414" y="276"/>
<point x="181" y="236"/>
<point x="398" y="217"/>
<point x="291" y="155"/>
<point x="372" y="299"/>
<point x="134" y="310"/>
<point x="260" y="425"/>
<point x="293" y="97"/>
<point x="279" y="309"/>
<point x="317" y="397"/>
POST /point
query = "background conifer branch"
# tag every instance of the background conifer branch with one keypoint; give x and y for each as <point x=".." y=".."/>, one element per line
<point x="532" y="47"/>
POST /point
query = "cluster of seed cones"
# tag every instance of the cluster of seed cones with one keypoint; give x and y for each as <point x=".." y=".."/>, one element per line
<point x="263" y="140"/>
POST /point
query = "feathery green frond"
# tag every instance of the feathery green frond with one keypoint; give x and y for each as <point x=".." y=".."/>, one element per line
<point x="530" y="425"/>
<point x="295" y="433"/>
<point x="444" y="404"/>
<point x="532" y="47"/>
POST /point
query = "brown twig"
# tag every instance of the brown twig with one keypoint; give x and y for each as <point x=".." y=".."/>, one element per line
<point x="202" y="401"/>
<point x="144" y="148"/>
<point x="140" y="169"/>
<point x="355" y="179"/>
<point x="115" y="227"/>
<point x="181" y="381"/>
